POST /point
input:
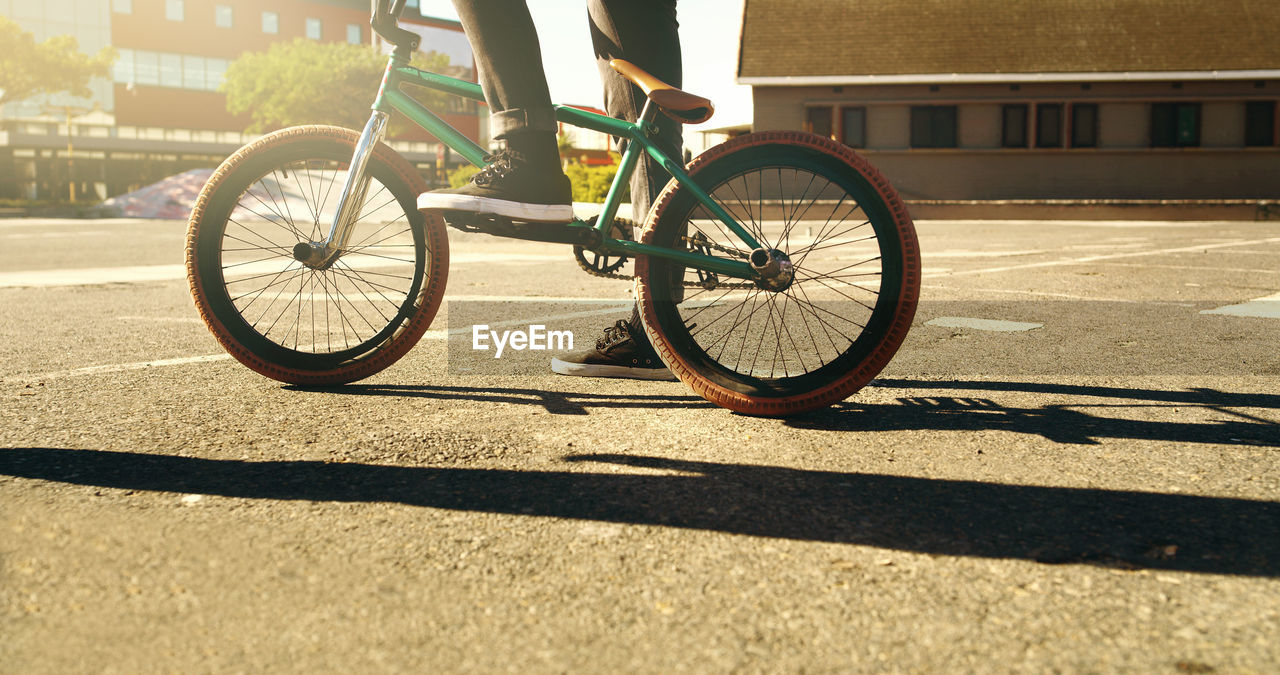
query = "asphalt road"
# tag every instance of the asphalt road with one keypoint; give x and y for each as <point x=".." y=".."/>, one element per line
<point x="1072" y="465"/>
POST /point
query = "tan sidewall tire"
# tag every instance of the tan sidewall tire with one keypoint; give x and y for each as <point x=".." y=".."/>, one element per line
<point x="840" y="388"/>
<point x="435" y="273"/>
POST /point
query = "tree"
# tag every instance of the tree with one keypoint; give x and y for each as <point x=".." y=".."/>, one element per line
<point x="28" y="68"/>
<point x="309" y="82"/>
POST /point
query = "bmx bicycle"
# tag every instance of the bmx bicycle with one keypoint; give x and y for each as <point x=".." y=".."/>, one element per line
<point x="777" y="273"/>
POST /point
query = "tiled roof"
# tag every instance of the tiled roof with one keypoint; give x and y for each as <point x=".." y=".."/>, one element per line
<point x="803" y="38"/>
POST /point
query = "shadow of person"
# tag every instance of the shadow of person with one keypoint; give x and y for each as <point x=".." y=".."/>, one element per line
<point x="947" y="517"/>
<point x="1081" y="422"/>
<point x="554" y="402"/>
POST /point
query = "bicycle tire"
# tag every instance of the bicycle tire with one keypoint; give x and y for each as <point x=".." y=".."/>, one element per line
<point x="759" y="178"/>
<point x="280" y="190"/>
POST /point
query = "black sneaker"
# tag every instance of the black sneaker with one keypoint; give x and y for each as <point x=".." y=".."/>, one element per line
<point x="618" y="354"/>
<point x="509" y="186"/>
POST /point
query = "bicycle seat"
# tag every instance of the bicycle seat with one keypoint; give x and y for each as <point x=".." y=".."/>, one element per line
<point x="680" y="105"/>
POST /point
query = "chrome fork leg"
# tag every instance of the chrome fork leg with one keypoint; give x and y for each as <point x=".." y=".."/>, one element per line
<point x="357" y="184"/>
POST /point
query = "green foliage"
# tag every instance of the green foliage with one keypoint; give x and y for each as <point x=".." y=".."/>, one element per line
<point x="28" y="69"/>
<point x="459" y="176"/>
<point x="591" y="183"/>
<point x="309" y="82"/>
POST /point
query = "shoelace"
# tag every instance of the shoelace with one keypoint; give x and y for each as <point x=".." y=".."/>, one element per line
<point x="613" y="335"/>
<point x="499" y="165"/>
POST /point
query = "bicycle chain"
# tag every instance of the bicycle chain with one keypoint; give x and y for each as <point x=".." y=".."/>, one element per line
<point x="628" y="228"/>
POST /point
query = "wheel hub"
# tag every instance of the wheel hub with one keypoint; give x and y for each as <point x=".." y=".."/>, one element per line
<point x="315" y="255"/>
<point x="773" y="268"/>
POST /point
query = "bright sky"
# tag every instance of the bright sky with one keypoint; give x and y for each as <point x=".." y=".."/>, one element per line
<point x="709" y="43"/>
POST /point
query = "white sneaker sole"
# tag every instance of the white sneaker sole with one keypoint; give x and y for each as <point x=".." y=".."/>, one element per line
<point x="593" y="370"/>
<point x="537" y="213"/>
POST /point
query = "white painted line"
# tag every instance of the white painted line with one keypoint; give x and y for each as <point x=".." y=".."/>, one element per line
<point x="1062" y="296"/>
<point x="994" y="325"/>
<point x="960" y="253"/>
<point x="434" y="334"/>
<point x="1264" y="308"/>
<point x="90" y="276"/>
<point x="1096" y="258"/>
<point x="116" y="368"/>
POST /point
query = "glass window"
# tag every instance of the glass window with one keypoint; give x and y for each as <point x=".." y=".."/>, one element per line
<point x="853" y="127"/>
<point x="1084" y="125"/>
<point x="122" y="6"/>
<point x="1049" y="125"/>
<point x="193" y="72"/>
<point x="147" y="67"/>
<point x="818" y="121"/>
<point x="122" y="70"/>
<point x="214" y="69"/>
<point x="313" y="29"/>
<point x="170" y="70"/>
<point x="1260" y="123"/>
<point x="222" y="16"/>
<point x="1175" y="125"/>
<point x="1014" y="121"/>
<point x="353" y="33"/>
<point x="933" y="126"/>
<point x="173" y="10"/>
<point x="270" y="22"/>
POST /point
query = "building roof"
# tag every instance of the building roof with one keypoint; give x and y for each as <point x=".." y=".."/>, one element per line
<point x="893" y="40"/>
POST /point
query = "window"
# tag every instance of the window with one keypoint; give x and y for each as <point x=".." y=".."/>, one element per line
<point x="122" y="69"/>
<point x="818" y="121"/>
<point x="1175" y="125"/>
<point x="313" y="29"/>
<point x="173" y="10"/>
<point x="1260" y="123"/>
<point x="193" y="72"/>
<point x="1014" y="124"/>
<point x="222" y="16"/>
<point x="214" y="69"/>
<point x="122" y="6"/>
<point x="170" y="70"/>
<point x="853" y="127"/>
<point x="270" y="22"/>
<point x="147" y="67"/>
<point x="353" y="33"/>
<point x="1049" y="125"/>
<point x="1084" y="125"/>
<point x="933" y="126"/>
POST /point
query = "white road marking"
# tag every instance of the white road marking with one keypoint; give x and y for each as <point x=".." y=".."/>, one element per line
<point x="996" y="253"/>
<point x="434" y="334"/>
<point x="994" y="325"/>
<point x="1265" y="308"/>
<point x="1096" y="258"/>
<point x="90" y="276"/>
<point x="1063" y="296"/>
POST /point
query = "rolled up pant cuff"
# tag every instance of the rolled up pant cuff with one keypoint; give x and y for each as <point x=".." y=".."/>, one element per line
<point x="520" y="120"/>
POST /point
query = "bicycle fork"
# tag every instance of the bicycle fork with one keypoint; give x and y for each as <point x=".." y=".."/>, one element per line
<point x="322" y="254"/>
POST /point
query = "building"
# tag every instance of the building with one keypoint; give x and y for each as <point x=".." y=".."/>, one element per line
<point x="160" y="112"/>
<point x="1052" y="99"/>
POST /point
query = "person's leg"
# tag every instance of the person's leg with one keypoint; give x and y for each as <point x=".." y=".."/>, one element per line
<point x="646" y="34"/>
<point x="525" y="181"/>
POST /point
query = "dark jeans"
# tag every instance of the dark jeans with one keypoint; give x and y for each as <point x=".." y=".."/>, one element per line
<point x="509" y="62"/>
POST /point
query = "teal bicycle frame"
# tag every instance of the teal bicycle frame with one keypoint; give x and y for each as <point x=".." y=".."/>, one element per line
<point x="639" y="136"/>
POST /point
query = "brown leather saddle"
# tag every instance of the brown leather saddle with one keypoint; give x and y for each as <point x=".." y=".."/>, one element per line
<point x="677" y="104"/>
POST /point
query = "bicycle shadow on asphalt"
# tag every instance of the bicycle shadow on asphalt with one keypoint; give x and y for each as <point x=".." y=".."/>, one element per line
<point x="1059" y="422"/>
<point x="1051" y="525"/>
<point x="553" y="402"/>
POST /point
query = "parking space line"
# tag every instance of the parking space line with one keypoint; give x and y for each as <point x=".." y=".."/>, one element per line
<point x="1096" y="258"/>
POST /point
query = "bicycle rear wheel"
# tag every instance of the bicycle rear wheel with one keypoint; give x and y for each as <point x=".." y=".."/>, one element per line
<point x="296" y="323"/>
<point x="780" y="351"/>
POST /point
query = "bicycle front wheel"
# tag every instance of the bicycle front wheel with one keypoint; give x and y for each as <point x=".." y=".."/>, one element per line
<point x="298" y="324"/>
<point x="782" y="349"/>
